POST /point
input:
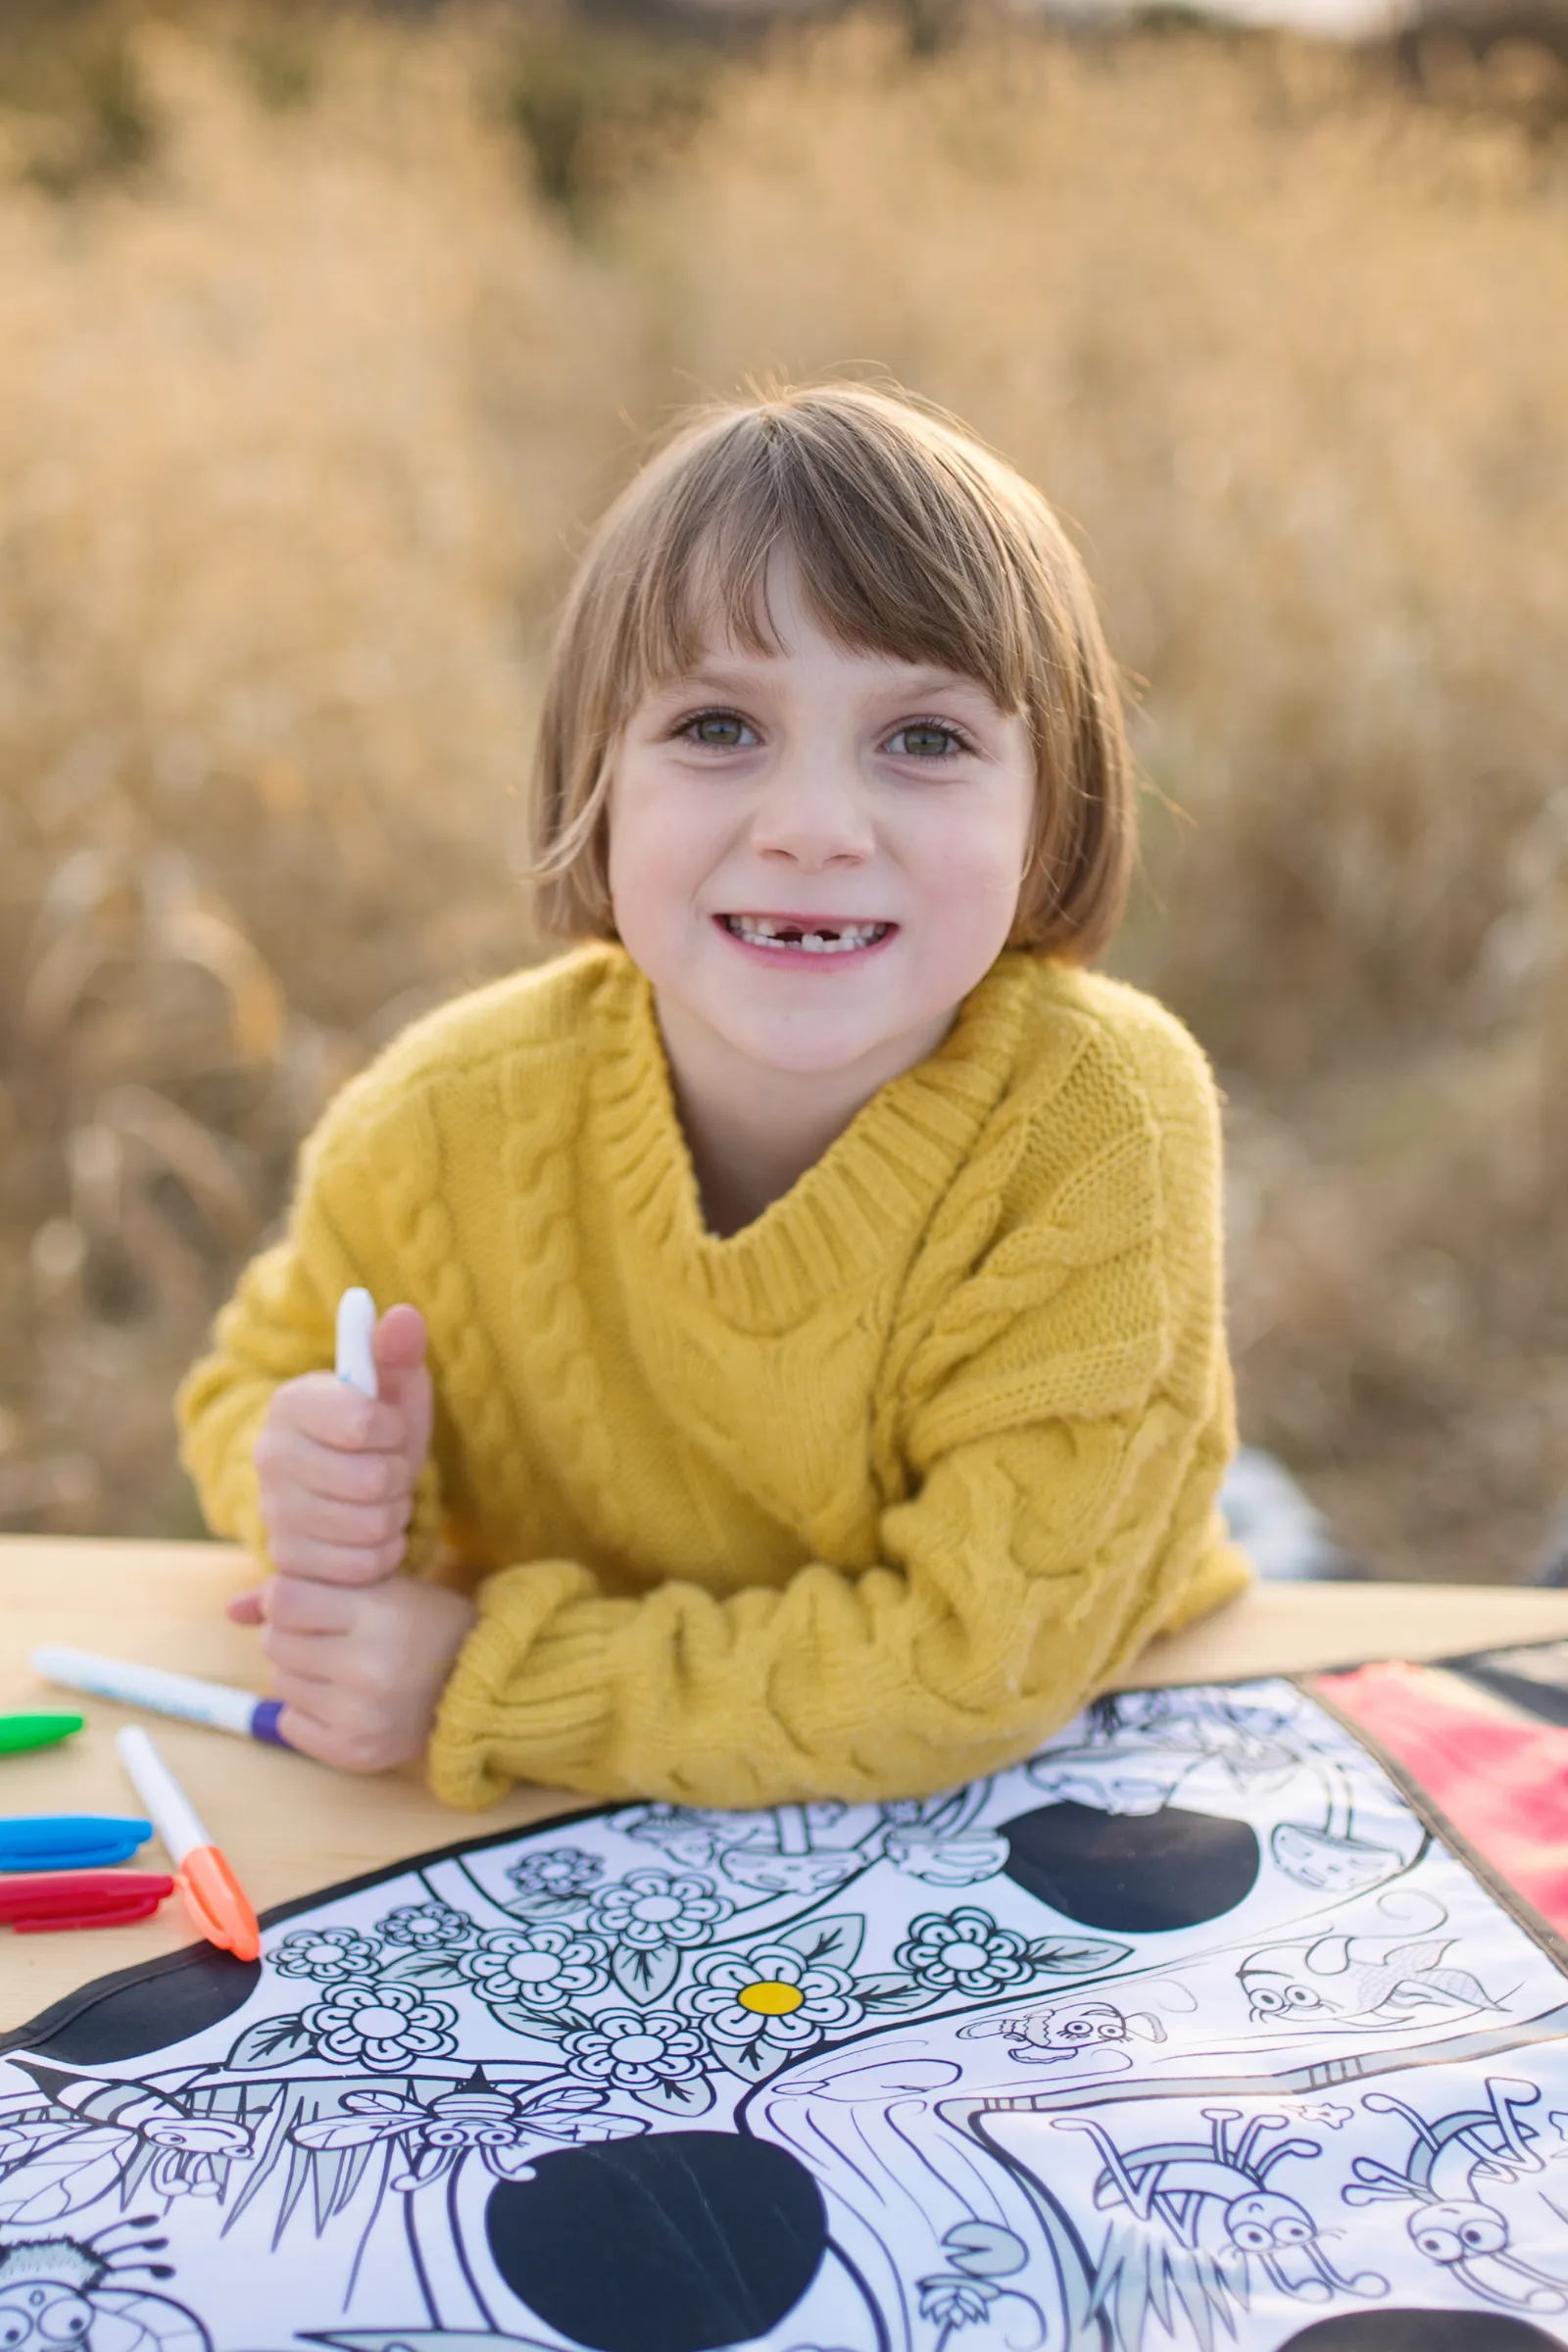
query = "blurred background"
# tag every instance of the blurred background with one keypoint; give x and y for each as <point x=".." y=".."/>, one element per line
<point x="325" y="332"/>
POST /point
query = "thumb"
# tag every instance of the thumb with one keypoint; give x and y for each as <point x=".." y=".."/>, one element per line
<point x="246" y="1608"/>
<point x="403" y="1377"/>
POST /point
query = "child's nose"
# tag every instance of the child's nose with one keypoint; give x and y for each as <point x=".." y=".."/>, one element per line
<point x="812" y="817"/>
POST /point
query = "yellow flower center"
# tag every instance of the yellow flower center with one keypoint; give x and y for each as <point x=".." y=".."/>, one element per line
<point x="770" y="1999"/>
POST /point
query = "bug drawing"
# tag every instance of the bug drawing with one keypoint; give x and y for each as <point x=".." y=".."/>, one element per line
<point x="1213" y="2199"/>
<point x="1455" y="2169"/>
<point x="64" y="2291"/>
<point x="144" y="2134"/>
<point x="1185" y="2035"/>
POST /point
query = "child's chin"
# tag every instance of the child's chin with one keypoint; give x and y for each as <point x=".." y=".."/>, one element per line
<point x="817" y="1049"/>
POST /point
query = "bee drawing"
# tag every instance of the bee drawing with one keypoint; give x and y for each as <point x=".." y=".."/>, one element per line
<point x="133" y="2128"/>
<point x="66" y="2291"/>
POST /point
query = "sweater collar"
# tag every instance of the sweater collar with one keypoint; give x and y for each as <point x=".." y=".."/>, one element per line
<point x="859" y="1206"/>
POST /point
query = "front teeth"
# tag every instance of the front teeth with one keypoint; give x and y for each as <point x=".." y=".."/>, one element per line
<point x="839" y="939"/>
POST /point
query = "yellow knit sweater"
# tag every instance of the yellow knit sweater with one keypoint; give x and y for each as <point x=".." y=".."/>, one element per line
<point x="860" y="1501"/>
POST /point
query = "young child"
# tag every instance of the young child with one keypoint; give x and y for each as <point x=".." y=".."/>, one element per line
<point x="807" y="1375"/>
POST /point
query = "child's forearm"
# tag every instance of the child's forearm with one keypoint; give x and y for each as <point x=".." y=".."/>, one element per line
<point x="1028" y="1571"/>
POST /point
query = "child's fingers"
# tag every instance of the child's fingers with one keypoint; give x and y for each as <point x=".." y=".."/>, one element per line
<point x="295" y="1604"/>
<point x="326" y="1409"/>
<point x="358" y="1478"/>
<point x="399" y="1339"/>
<point x="365" y="1695"/>
<point x="299" y="1729"/>
<point x="334" y="1563"/>
<point x="246" y="1608"/>
<point x="313" y="1518"/>
<point x="403" y="1377"/>
<point x="303" y="1658"/>
<point x="349" y="1744"/>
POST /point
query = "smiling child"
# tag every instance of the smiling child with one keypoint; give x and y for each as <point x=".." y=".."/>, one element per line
<point x="806" y="1375"/>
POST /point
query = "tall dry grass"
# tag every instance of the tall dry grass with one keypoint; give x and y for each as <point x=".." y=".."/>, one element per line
<point x="307" y="392"/>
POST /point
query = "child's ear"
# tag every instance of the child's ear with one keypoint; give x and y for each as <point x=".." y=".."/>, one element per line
<point x="1148" y="2029"/>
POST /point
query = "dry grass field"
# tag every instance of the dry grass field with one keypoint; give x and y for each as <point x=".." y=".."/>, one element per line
<point x="322" y="340"/>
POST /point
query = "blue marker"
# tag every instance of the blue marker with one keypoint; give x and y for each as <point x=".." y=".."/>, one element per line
<point x="217" y="1704"/>
<point x="71" y="1841"/>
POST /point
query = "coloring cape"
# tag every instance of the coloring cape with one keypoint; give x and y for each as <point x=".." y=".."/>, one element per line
<point x="1201" y="2028"/>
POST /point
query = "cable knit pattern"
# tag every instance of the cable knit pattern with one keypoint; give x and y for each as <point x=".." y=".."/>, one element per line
<point x="860" y="1501"/>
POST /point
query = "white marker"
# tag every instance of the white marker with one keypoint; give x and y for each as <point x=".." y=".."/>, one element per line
<point x="168" y="1807"/>
<point x="216" y="1902"/>
<point x="217" y="1704"/>
<point x="356" y="1342"/>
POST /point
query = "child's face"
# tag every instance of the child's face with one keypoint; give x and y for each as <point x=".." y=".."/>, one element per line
<point x="815" y="853"/>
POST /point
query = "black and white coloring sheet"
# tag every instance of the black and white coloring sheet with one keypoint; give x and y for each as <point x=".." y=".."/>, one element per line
<point x="1188" y="2033"/>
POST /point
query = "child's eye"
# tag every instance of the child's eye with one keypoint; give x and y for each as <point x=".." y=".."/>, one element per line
<point x="719" y="730"/>
<point x="928" y="739"/>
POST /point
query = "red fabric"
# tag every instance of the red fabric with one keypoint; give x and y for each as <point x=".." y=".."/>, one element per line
<point x="1504" y="1785"/>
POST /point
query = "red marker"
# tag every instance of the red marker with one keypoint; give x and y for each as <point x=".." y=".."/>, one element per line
<point x="41" y="1899"/>
<point x="214" y="1897"/>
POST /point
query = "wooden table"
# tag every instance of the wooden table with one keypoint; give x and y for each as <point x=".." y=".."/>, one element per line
<point x="289" y="1826"/>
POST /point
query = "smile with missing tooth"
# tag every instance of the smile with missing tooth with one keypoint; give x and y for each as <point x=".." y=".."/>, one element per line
<point x="820" y="939"/>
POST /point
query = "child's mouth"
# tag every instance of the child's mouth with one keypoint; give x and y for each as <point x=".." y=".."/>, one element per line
<point x="805" y="935"/>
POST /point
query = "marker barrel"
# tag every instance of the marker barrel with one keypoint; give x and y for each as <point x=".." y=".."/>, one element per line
<point x="167" y="1805"/>
<point x="217" y="1905"/>
<point x="215" y="1704"/>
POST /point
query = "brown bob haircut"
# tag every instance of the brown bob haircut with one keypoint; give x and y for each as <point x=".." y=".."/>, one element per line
<point x="913" y="541"/>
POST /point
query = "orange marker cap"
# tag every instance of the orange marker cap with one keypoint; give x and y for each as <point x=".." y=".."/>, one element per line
<point x="216" y="1902"/>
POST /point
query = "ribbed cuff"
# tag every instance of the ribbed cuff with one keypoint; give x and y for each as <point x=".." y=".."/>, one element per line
<point x="529" y="1699"/>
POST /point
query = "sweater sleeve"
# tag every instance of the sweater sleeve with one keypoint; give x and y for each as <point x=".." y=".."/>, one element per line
<point x="1068" y="1421"/>
<point x="281" y="1323"/>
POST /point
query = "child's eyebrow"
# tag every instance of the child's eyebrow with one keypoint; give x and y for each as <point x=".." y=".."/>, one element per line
<point x="918" y="680"/>
<point x="705" y="679"/>
<point x="715" y="678"/>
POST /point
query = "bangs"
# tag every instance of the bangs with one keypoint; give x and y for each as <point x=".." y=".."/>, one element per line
<point x="897" y="558"/>
<point x="911" y="541"/>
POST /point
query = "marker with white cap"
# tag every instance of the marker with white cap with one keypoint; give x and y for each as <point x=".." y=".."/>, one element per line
<point x="218" y="1705"/>
<point x="217" y="1905"/>
<point x="356" y="1342"/>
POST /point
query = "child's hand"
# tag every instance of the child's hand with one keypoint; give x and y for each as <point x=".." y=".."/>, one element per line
<point x="360" y="1668"/>
<point x="338" y="1470"/>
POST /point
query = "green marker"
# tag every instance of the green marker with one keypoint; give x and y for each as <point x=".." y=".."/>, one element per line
<point x="19" y="1732"/>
